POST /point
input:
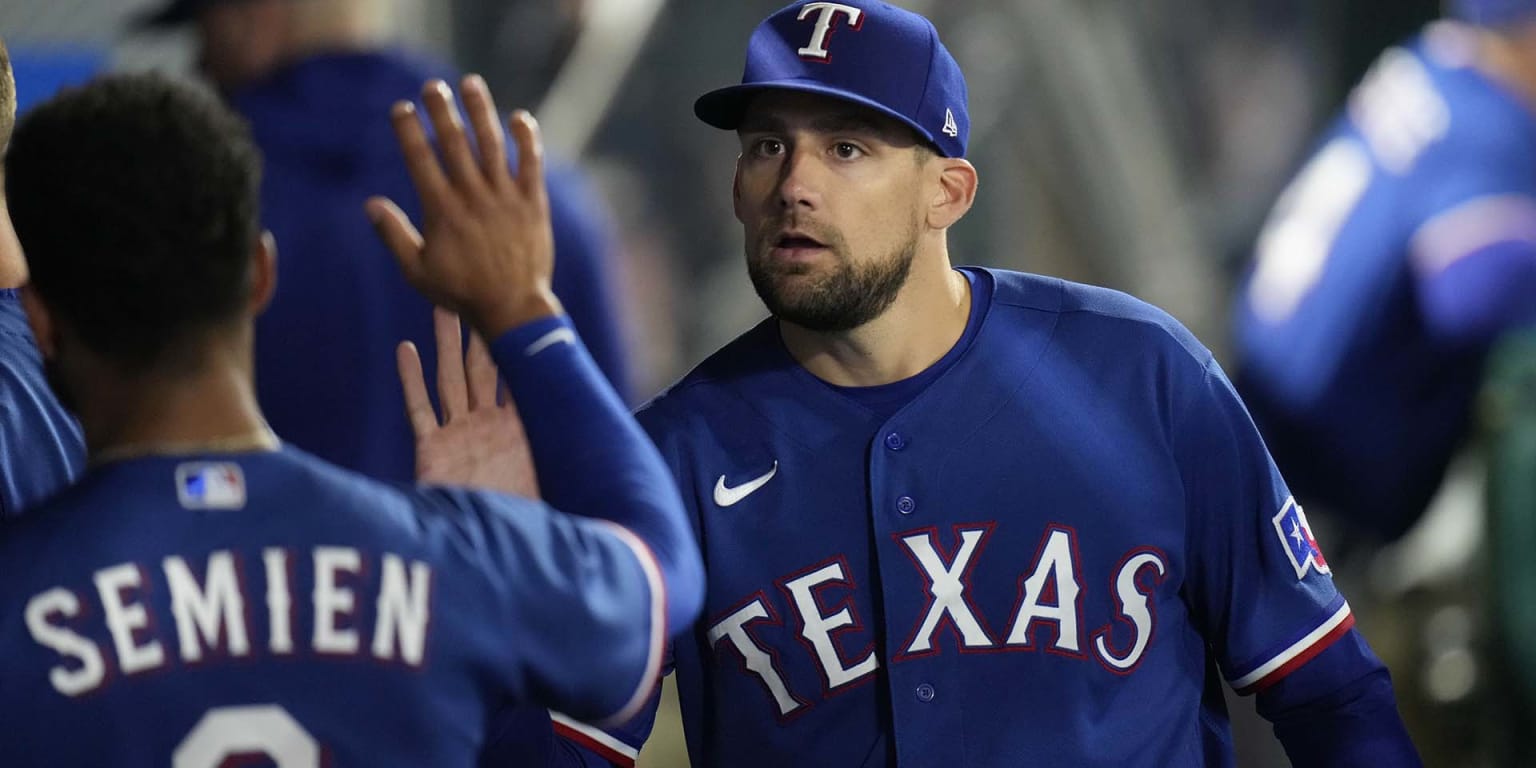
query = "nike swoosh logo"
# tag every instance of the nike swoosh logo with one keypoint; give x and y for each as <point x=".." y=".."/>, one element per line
<point x="726" y="496"/>
<point x="557" y="336"/>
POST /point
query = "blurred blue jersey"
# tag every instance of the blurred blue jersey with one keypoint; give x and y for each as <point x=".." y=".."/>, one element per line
<point x="325" y="357"/>
<point x="1401" y="251"/>
<point x="1052" y="554"/>
<point x="188" y="610"/>
<point x="41" y="448"/>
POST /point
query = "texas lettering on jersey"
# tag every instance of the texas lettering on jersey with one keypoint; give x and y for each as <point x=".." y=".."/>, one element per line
<point x="1048" y="615"/>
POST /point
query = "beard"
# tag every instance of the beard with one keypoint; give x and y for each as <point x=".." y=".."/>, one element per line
<point x="846" y="297"/>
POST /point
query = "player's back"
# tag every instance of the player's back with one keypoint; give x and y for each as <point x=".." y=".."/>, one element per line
<point x="1361" y="397"/>
<point x="170" y="610"/>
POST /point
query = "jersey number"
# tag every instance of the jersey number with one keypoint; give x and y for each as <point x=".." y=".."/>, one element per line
<point x="1295" y="244"/>
<point x="227" y="732"/>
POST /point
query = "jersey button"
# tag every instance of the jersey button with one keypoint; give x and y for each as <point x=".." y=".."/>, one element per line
<point x="894" y="441"/>
<point x="925" y="693"/>
<point x="906" y="505"/>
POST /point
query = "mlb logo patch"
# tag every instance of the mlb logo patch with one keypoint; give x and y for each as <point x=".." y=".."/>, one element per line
<point x="1296" y="536"/>
<point x="205" y="485"/>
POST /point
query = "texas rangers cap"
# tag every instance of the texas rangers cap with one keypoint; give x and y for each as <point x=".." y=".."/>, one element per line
<point x="863" y="51"/>
<point x="1493" y="12"/>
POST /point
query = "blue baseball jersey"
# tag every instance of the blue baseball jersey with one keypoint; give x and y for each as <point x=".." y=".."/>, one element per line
<point x="1052" y="554"/>
<point x="1404" y="247"/>
<point x="189" y="610"/>
<point x="41" y="448"/>
<point x="341" y="305"/>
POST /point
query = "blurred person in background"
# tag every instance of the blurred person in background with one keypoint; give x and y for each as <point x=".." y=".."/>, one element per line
<point x="41" y="448"/>
<point x="1399" y="256"/>
<point x="314" y="78"/>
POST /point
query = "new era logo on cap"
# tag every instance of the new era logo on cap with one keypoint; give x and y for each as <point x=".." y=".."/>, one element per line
<point x="867" y="52"/>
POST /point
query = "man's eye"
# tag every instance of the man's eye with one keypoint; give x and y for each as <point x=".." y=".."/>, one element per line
<point x="846" y="150"/>
<point x="770" y="147"/>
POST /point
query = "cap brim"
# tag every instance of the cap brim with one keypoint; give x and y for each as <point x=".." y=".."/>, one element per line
<point x="724" y="108"/>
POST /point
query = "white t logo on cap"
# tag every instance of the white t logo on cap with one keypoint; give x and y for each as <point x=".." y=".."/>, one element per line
<point x="828" y="12"/>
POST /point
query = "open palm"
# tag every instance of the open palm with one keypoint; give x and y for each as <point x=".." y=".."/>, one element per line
<point x="479" y="442"/>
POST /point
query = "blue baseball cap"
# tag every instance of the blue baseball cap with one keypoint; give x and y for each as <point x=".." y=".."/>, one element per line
<point x="1492" y="12"/>
<point x="863" y="51"/>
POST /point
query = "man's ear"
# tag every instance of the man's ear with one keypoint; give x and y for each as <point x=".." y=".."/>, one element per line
<point x="263" y="272"/>
<point x="955" y="191"/>
<point x="44" y="330"/>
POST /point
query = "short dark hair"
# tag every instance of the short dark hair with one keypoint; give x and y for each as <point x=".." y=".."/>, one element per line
<point x="7" y="97"/>
<point x="135" y="199"/>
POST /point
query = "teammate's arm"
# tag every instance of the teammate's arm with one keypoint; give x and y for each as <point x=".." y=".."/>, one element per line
<point x="1472" y="252"/>
<point x="1475" y="266"/>
<point x="488" y="255"/>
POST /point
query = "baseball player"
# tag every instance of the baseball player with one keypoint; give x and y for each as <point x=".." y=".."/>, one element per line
<point x="40" y="443"/>
<point x="971" y="517"/>
<point x="1399" y="254"/>
<point x="205" y="593"/>
<point x="312" y="78"/>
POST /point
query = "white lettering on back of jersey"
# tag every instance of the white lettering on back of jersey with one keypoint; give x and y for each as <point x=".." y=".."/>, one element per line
<point x="203" y="614"/>
<point x="70" y="682"/>
<point x="333" y="600"/>
<point x="1135" y="606"/>
<point x="818" y="629"/>
<point x="125" y="620"/>
<point x="279" y="601"/>
<point x="1398" y="110"/>
<point x="827" y="13"/>
<point x="1056" y="562"/>
<point x="947" y="588"/>
<point x="757" y="660"/>
<point x="402" y="611"/>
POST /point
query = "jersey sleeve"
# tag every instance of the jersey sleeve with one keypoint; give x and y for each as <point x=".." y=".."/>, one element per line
<point x="618" y="745"/>
<point x="41" y="446"/>
<point x="1473" y="246"/>
<point x="569" y="610"/>
<point x="1258" y="584"/>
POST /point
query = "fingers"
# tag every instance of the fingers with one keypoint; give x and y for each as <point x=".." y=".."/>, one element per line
<point x="395" y="229"/>
<point x="413" y="384"/>
<point x="451" y="392"/>
<point x="420" y="161"/>
<point x="488" y="133"/>
<point x="481" y="371"/>
<point x="530" y="153"/>
<point x="452" y="142"/>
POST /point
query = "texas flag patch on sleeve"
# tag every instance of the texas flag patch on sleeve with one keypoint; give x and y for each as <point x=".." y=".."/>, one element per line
<point x="206" y="485"/>
<point x="1296" y="536"/>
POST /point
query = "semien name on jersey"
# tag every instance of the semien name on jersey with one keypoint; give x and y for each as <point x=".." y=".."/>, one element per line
<point x="210" y="613"/>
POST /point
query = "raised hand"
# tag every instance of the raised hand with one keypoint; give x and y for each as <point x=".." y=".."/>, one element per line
<point x="479" y="442"/>
<point x="486" y="250"/>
